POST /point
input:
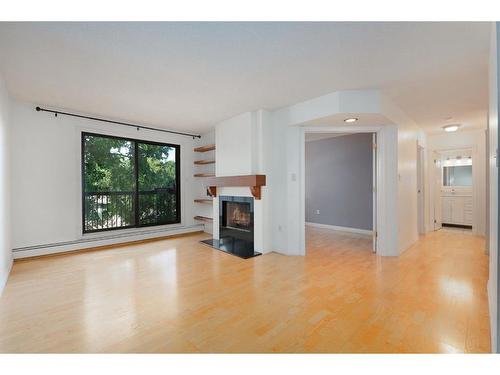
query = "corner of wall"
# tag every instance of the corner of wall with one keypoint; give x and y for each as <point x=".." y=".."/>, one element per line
<point x="5" y="222"/>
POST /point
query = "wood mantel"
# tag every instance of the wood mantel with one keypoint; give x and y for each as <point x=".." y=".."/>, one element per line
<point x="254" y="182"/>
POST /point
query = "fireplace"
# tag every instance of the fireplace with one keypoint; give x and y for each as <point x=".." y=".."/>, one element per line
<point x="236" y="227"/>
<point x="236" y="218"/>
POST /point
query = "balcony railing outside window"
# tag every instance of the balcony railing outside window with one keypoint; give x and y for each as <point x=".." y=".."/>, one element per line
<point x="130" y="177"/>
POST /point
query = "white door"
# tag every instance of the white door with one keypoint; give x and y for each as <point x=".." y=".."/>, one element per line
<point x="374" y="185"/>
<point x="420" y="189"/>
<point x="437" y="190"/>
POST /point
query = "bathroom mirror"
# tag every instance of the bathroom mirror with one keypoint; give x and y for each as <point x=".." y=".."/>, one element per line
<point x="457" y="175"/>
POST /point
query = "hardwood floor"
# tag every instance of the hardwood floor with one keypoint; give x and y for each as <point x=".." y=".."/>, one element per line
<point x="179" y="296"/>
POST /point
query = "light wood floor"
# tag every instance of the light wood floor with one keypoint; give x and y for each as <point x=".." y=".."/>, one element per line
<point x="179" y="296"/>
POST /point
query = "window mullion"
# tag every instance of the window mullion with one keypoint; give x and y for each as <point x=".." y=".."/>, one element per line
<point x="136" y="170"/>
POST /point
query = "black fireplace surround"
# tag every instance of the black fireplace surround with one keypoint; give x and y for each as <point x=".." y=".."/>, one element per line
<point x="236" y="227"/>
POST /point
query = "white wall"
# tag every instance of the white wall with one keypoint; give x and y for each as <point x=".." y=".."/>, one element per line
<point x="5" y="244"/>
<point x="242" y="148"/>
<point x="46" y="176"/>
<point x="400" y="144"/>
<point x="492" y="162"/>
<point x="409" y="136"/>
<point x="235" y="146"/>
<point x="474" y="139"/>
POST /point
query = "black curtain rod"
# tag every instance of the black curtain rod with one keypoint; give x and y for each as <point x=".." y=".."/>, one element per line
<point x="115" y="122"/>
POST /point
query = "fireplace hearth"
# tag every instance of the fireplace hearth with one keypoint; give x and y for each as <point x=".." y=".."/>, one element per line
<point x="236" y="227"/>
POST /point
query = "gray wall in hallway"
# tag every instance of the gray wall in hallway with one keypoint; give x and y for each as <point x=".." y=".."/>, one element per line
<point x="339" y="181"/>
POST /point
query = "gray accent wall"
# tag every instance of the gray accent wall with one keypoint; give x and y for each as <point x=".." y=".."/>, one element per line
<point x="339" y="181"/>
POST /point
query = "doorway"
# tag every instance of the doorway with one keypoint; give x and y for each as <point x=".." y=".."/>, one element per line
<point x="341" y="186"/>
<point x="453" y="189"/>
<point x="421" y="189"/>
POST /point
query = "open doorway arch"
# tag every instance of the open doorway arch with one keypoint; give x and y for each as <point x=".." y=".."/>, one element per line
<point x="386" y="217"/>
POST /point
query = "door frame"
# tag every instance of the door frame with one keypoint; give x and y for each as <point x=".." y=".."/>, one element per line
<point x="435" y="197"/>
<point x="421" y="189"/>
<point x="436" y="204"/>
<point x="380" y="202"/>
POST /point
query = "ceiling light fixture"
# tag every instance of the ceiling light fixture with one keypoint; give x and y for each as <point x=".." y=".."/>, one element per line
<point x="451" y="128"/>
<point x="351" y="119"/>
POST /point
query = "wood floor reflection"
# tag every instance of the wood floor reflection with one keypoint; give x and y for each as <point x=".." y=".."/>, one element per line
<point x="179" y="296"/>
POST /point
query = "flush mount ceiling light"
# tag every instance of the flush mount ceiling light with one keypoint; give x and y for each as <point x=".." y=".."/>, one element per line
<point x="451" y="128"/>
<point x="351" y="119"/>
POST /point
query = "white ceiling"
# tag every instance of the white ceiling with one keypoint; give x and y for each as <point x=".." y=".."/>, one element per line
<point x="190" y="76"/>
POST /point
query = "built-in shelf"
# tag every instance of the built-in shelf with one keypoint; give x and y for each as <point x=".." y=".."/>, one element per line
<point x="203" y="218"/>
<point x="205" y="148"/>
<point x="204" y="201"/>
<point x="207" y="161"/>
<point x="203" y="162"/>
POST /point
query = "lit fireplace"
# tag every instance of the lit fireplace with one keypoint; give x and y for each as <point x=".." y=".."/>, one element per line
<point x="236" y="220"/>
<point x="238" y="216"/>
<point x="236" y="227"/>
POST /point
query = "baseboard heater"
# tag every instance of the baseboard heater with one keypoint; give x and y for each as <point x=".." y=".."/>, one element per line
<point x="56" y="247"/>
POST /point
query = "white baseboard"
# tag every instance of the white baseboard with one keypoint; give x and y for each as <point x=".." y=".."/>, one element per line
<point x="365" y="232"/>
<point x="31" y="251"/>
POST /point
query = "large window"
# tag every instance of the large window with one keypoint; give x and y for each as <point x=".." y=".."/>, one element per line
<point x="128" y="183"/>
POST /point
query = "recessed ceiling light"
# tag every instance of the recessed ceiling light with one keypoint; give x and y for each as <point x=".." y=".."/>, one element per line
<point x="451" y="128"/>
<point x="351" y="119"/>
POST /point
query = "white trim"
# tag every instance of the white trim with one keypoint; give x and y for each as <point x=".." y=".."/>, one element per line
<point x="341" y="229"/>
<point x="475" y="193"/>
<point x="31" y="251"/>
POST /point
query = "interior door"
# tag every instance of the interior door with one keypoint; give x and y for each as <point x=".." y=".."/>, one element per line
<point x="437" y="191"/>
<point x="420" y="189"/>
<point x="374" y="184"/>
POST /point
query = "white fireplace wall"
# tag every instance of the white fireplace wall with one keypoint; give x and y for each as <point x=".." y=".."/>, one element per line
<point x="235" y="139"/>
<point x="243" y="148"/>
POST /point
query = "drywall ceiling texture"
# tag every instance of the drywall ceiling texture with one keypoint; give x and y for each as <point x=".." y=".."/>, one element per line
<point x="191" y="76"/>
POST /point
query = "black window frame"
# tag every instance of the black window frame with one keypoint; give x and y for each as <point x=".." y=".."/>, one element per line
<point x="135" y="143"/>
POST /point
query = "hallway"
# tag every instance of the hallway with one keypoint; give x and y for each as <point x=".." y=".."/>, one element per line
<point x="176" y="295"/>
<point x="431" y="299"/>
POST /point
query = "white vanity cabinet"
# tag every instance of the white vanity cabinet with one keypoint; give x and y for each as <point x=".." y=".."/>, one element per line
<point x="456" y="208"/>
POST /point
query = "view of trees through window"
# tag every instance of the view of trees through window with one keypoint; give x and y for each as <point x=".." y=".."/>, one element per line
<point x="128" y="183"/>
